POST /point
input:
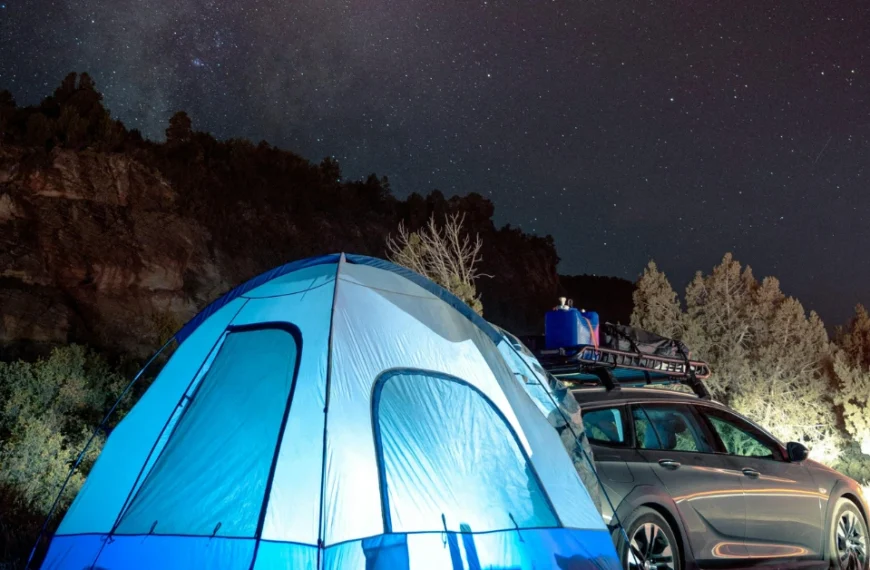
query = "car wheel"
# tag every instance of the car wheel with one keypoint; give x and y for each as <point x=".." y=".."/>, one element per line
<point x="847" y="538"/>
<point x="651" y="543"/>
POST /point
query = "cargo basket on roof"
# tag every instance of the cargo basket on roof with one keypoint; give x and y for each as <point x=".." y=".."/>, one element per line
<point x="627" y="357"/>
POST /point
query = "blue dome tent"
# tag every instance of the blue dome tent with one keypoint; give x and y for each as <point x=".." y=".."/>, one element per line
<point x="558" y="405"/>
<point x="338" y="412"/>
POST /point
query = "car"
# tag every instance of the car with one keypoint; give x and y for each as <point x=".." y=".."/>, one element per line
<point x="696" y="485"/>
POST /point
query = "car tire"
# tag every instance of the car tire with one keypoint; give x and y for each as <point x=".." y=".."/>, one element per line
<point x="848" y="540"/>
<point x="651" y="539"/>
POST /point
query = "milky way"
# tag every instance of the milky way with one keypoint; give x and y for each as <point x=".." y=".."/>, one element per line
<point x="628" y="130"/>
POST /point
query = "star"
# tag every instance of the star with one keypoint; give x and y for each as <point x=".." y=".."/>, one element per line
<point x="581" y="116"/>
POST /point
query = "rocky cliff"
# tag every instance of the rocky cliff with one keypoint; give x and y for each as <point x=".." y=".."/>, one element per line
<point x="115" y="241"/>
<point x="94" y="249"/>
<point x="100" y="248"/>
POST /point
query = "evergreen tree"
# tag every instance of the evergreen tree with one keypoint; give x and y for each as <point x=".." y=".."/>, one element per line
<point x="769" y="359"/>
<point x="718" y="315"/>
<point x="86" y="83"/>
<point x="40" y="130"/>
<point x="66" y="89"/>
<point x="853" y="398"/>
<point x="851" y="367"/>
<point x="7" y="108"/>
<point x="656" y="306"/>
<point x="855" y="338"/>
<point x="72" y="129"/>
<point x="331" y="170"/>
<point x="88" y="102"/>
<point x="786" y="387"/>
<point x="180" y="129"/>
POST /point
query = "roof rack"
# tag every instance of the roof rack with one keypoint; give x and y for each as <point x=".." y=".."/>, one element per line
<point x="588" y="365"/>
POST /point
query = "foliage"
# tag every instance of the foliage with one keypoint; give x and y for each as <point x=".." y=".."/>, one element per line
<point x="769" y="358"/>
<point x="180" y="129"/>
<point x="855" y="464"/>
<point x="164" y="326"/>
<point x="656" y="303"/>
<point x="48" y="413"/>
<point x="737" y="441"/>
<point x="445" y="254"/>
<point x="851" y="368"/>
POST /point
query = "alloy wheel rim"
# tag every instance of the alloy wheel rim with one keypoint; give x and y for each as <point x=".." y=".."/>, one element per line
<point x="650" y="549"/>
<point x="851" y="542"/>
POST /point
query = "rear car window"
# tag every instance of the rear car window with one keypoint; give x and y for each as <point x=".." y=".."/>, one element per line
<point x="668" y="427"/>
<point x="604" y="426"/>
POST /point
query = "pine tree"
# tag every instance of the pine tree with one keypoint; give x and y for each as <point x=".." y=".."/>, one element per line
<point x="40" y="130"/>
<point x="656" y="306"/>
<point x="855" y="338"/>
<point x="180" y="129"/>
<point x="787" y="388"/>
<point x="7" y="108"/>
<point x="851" y="367"/>
<point x="72" y="129"/>
<point x="719" y="315"/>
<point x="769" y="359"/>
<point x="853" y="398"/>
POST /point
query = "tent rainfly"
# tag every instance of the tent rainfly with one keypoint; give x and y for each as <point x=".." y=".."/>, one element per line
<point x="338" y="412"/>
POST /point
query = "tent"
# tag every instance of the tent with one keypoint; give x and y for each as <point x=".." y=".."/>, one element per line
<point x="338" y="412"/>
<point x="557" y="404"/>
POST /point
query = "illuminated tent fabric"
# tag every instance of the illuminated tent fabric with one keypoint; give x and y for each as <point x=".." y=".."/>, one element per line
<point x="555" y="401"/>
<point x="337" y="412"/>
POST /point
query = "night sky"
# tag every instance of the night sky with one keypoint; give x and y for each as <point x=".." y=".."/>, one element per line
<point x="626" y="129"/>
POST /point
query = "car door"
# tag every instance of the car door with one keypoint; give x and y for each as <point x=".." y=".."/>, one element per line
<point x="784" y="506"/>
<point x="607" y="430"/>
<point x="707" y="493"/>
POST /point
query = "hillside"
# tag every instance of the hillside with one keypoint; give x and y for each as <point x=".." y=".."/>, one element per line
<point x="114" y="241"/>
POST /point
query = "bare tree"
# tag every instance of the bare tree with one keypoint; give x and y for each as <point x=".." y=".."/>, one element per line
<point x="447" y="255"/>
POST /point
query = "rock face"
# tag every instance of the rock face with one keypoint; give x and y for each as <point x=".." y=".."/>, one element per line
<point x="98" y="248"/>
<point x="93" y="249"/>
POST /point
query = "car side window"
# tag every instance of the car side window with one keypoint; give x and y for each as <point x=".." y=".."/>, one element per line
<point x="668" y="427"/>
<point x="604" y="426"/>
<point x="739" y="438"/>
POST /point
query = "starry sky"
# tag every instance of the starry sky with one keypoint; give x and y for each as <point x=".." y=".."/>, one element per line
<point x="626" y="129"/>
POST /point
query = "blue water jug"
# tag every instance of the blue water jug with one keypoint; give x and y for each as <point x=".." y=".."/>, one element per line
<point x="565" y="326"/>
<point x="592" y="318"/>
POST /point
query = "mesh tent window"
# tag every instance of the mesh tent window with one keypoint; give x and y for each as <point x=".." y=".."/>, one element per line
<point x="448" y="459"/>
<point x="212" y="476"/>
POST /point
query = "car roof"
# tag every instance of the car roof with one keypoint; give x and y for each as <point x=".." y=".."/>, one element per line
<point x="594" y="395"/>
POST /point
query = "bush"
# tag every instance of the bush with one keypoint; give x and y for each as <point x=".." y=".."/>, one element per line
<point x="49" y="411"/>
<point x="855" y="464"/>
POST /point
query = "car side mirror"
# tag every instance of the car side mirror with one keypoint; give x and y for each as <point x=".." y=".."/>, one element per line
<point x="797" y="452"/>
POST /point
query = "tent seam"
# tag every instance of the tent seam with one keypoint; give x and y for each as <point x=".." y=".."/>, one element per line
<point x="320" y="523"/>
<point x="281" y="295"/>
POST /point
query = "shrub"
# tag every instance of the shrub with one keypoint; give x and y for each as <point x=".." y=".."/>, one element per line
<point x="48" y="412"/>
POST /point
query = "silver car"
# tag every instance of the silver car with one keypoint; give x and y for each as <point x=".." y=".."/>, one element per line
<point x="696" y="485"/>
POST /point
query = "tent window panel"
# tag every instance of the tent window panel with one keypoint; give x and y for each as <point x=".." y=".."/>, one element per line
<point x="448" y="458"/>
<point x="211" y="476"/>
